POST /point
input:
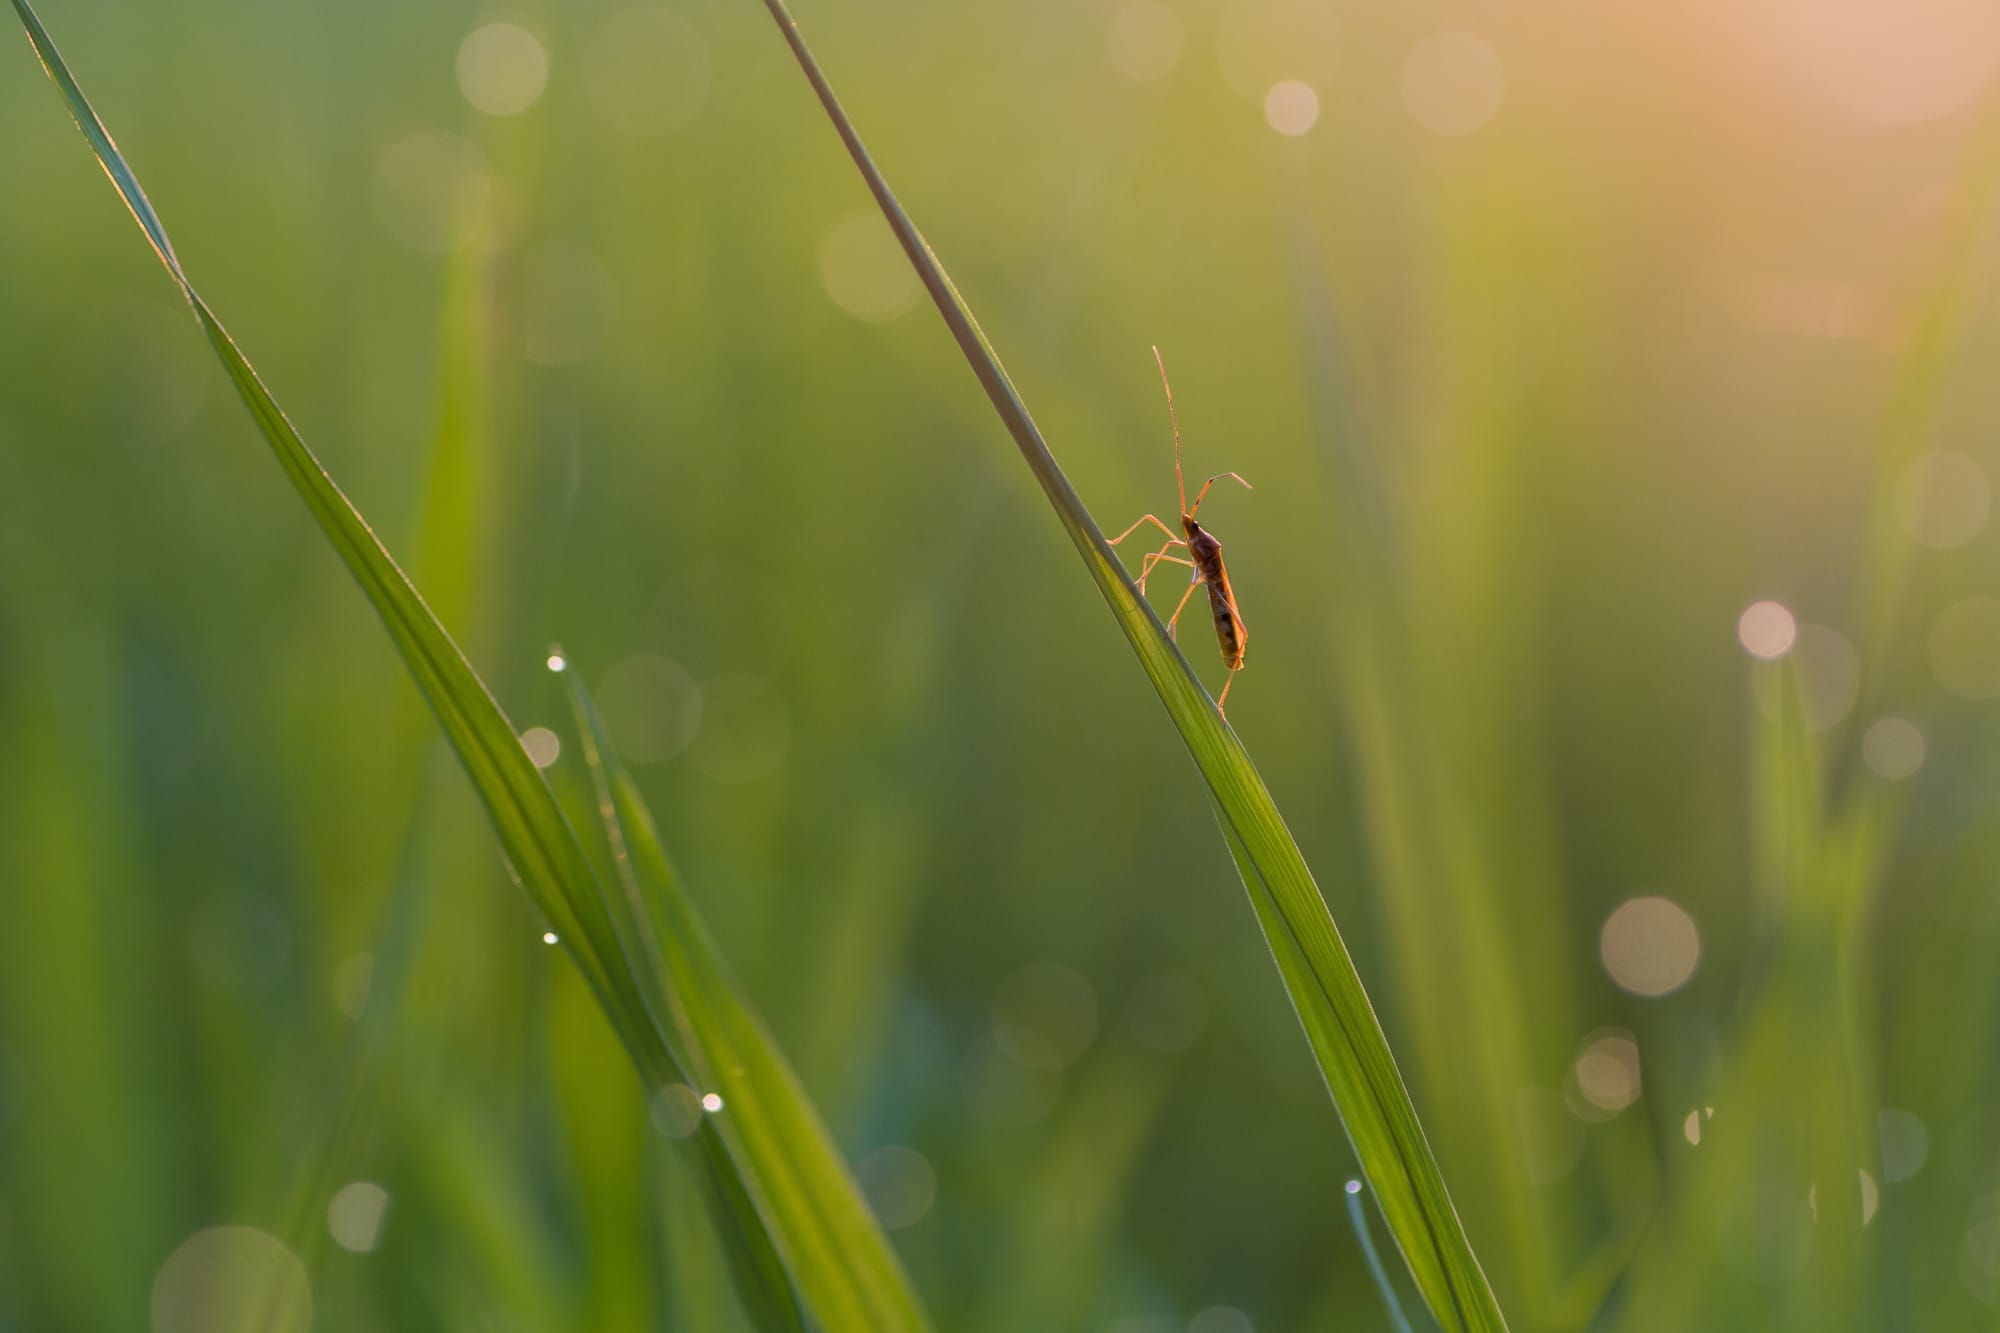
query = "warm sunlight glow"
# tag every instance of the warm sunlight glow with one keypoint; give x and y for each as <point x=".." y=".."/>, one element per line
<point x="1144" y="40"/>
<point x="1767" y="630"/>
<point x="1291" y="107"/>
<point x="1885" y="62"/>
<point x="1453" y="83"/>
<point x="1259" y="43"/>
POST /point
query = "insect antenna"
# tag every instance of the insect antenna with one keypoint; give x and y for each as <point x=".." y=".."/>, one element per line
<point x="1179" y="485"/>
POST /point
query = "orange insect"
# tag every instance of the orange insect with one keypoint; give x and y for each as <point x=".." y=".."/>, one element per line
<point x="1204" y="558"/>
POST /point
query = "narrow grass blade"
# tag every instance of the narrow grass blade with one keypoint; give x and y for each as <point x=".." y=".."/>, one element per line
<point x="1359" y="1221"/>
<point x="836" y="1252"/>
<point x="543" y="850"/>
<point x="837" y="1259"/>
<point x="1346" y="1037"/>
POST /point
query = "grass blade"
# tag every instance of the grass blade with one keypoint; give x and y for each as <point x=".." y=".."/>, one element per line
<point x="543" y="850"/>
<point x="1376" y="1272"/>
<point x="1346" y="1037"/>
<point x="767" y="1121"/>
<point x="830" y="1249"/>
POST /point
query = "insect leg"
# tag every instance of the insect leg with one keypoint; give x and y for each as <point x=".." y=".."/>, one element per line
<point x="1154" y="520"/>
<point x="1173" y="622"/>
<point x="1196" y="506"/>
<point x="1224" y="697"/>
<point x="1160" y="557"/>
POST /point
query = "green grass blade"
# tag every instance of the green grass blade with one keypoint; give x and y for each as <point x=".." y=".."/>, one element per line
<point x="544" y="852"/>
<point x="552" y="866"/>
<point x="1376" y="1273"/>
<point x="834" y="1249"/>
<point x="1346" y="1037"/>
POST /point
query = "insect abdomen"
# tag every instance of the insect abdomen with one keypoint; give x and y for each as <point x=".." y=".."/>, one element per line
<point x="1206" y="552"/>
<point x="1229" y="630"/>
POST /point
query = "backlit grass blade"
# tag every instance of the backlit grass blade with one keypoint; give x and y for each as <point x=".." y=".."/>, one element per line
<point x="834" y="1256"/>
<point x="767" y="1121"/>
<point x="1340" y="1023"/>
<point x="543" y="850"/>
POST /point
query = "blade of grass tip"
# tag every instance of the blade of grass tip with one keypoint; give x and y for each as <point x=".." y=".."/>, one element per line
<point x="541" y="848"/>
<point x="544" y="853"/>
<point x="1359" y="1220"/>
<point x="833" y="1247"/>
<point x="1319" y="976"/>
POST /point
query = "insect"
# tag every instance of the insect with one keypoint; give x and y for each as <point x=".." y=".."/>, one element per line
<point x="1203" y="558"/>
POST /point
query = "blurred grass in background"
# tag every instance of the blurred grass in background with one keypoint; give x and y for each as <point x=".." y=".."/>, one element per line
<point x="1554" y="343"/>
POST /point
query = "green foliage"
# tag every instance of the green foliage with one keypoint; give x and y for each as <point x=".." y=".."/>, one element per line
<point x="1534" y="409"/>
<point x="1353" y="1054"/>
<point x="777" y="1187"/>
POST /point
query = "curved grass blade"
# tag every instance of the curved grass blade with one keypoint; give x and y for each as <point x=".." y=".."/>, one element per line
<point x="764" y="1117"/>
<point x="1340" y="1024"/>
<point x="1359" y="1221"/>
<point x="543" y="850"/>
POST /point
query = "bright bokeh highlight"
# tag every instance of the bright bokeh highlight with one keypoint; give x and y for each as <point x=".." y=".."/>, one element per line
<point x="1291" y="107"/>
<point x="502" y="68"/>
<point x="1650" y="946"/>
<point x="1766" y="630"/>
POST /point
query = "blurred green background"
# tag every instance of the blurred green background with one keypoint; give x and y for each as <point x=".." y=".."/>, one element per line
<point x="1556" y="338"/>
